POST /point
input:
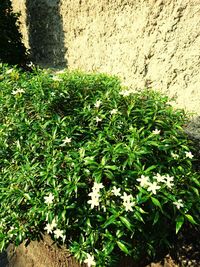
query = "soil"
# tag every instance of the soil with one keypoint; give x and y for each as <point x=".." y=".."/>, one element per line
<point x="185" y="253"/>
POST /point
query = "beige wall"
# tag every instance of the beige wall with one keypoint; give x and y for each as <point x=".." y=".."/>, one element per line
<point x="154" y="43"/>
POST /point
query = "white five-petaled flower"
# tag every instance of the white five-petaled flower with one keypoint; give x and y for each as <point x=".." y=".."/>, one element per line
<point x="116" y="191"/>
<point x="144" y="181"/>
<point x="159" y="178"/>
<point x="94" y="201"/>
<point x="128" y="205"/>
<point x="189" y="155"/>
<point x="127" y="202"/>
<point x="59" y="233"/>
<point x="153" y="187"/>
<point x="179" y="203"/>
<point x="174" y="155"/>
<point x="114" y="111"/>
<point x="94" y="194"/>
<point x="18" y="91"/>
<point x="125" y="93"/>
<point x="126" y="198"/>
<point x="90" y="260"/>
<point x="98" y="103"/>
<point x="67" y="140"/>
<point x="169" y="181"/>
<point x="49" y="199"/>
<point x="98" y="119"/>
<point x="97" y="186"/>
<point x="49" y="228"/>
<point x="156" y="131"/>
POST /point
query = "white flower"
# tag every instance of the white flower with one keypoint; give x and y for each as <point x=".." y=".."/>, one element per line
<point x="49" y="199"/>
<point x="126" y="198"/>
<point x="125" y="93"/>
<point x="49" y="228"/>
<point x="169" y="180"/>
<point x="152" y="187"/>
<point x="128" y="205"/>
<point x="98" y="103"/>
<point x="56" y="78"/>
<point x="127" y="202"/>
<point x="156" y="131"/>
<point x="144" y="181"/>
<point x="67" y="140"/>
<point x="179" y="204"/>
<point x="94" y="201"/>
<point x="189" y="155"/>
<point x="97" y="186"/>
<point x="98" y="119"/>
<point x="53" y="93"/>
<point x="53" y="223"/>
<point x="114" y="111"/>
<point x="59" y="233"/>
<point x="116" y="191"/>
<point x="174" y="155"/>
<point x="18" y="91"/>
<point x="159" y="178"/>
<point x="94" y="194"/>
<point x="90" y="260"/>
<point x="30" y="64"/>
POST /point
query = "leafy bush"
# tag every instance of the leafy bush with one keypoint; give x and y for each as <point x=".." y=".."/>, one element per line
<point x="104" y="170"/>
<point x="12" y="49"/>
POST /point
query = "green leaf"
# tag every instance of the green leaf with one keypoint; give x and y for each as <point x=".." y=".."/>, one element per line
<point x="122" y="247"/>
<point x="156" y="217"/>
<point x="138" y="216"/>
<point x="190" y="219"/>
<point x="109" y="247"/>
<point x="111" y="219"/>
<point x="196" y="181"/>
<point x="150" y="169"/>
<point x="140" y="210"/>
<point x="179" y="223"/>
<point x="109" y="174"/>
<point x="196" y="191"/>
<point x="126" y="223"/>
<point x="111" y="167"/>
<point x="156" y="202"/>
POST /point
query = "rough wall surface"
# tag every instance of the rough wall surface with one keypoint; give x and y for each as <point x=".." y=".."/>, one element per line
<point x="152" y="43"/>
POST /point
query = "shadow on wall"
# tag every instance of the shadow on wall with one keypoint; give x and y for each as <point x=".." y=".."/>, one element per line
<point x="46" y="36"/>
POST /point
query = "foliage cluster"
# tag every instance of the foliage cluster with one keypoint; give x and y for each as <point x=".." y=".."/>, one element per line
<point x="12" y="50"/>
<point x="104" y="170"/>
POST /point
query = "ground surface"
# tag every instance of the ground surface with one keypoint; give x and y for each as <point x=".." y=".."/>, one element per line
<point x="43" y="254"/>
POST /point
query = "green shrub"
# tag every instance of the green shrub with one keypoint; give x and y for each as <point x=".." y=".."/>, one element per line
<point x="12" y="50"/>
<point x="104" y="170"/>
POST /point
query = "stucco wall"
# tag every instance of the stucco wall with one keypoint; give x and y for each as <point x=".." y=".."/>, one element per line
<point x="153" y="43"/>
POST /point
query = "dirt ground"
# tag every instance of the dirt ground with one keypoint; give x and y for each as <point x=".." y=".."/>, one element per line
<point x="185" y="253"/>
